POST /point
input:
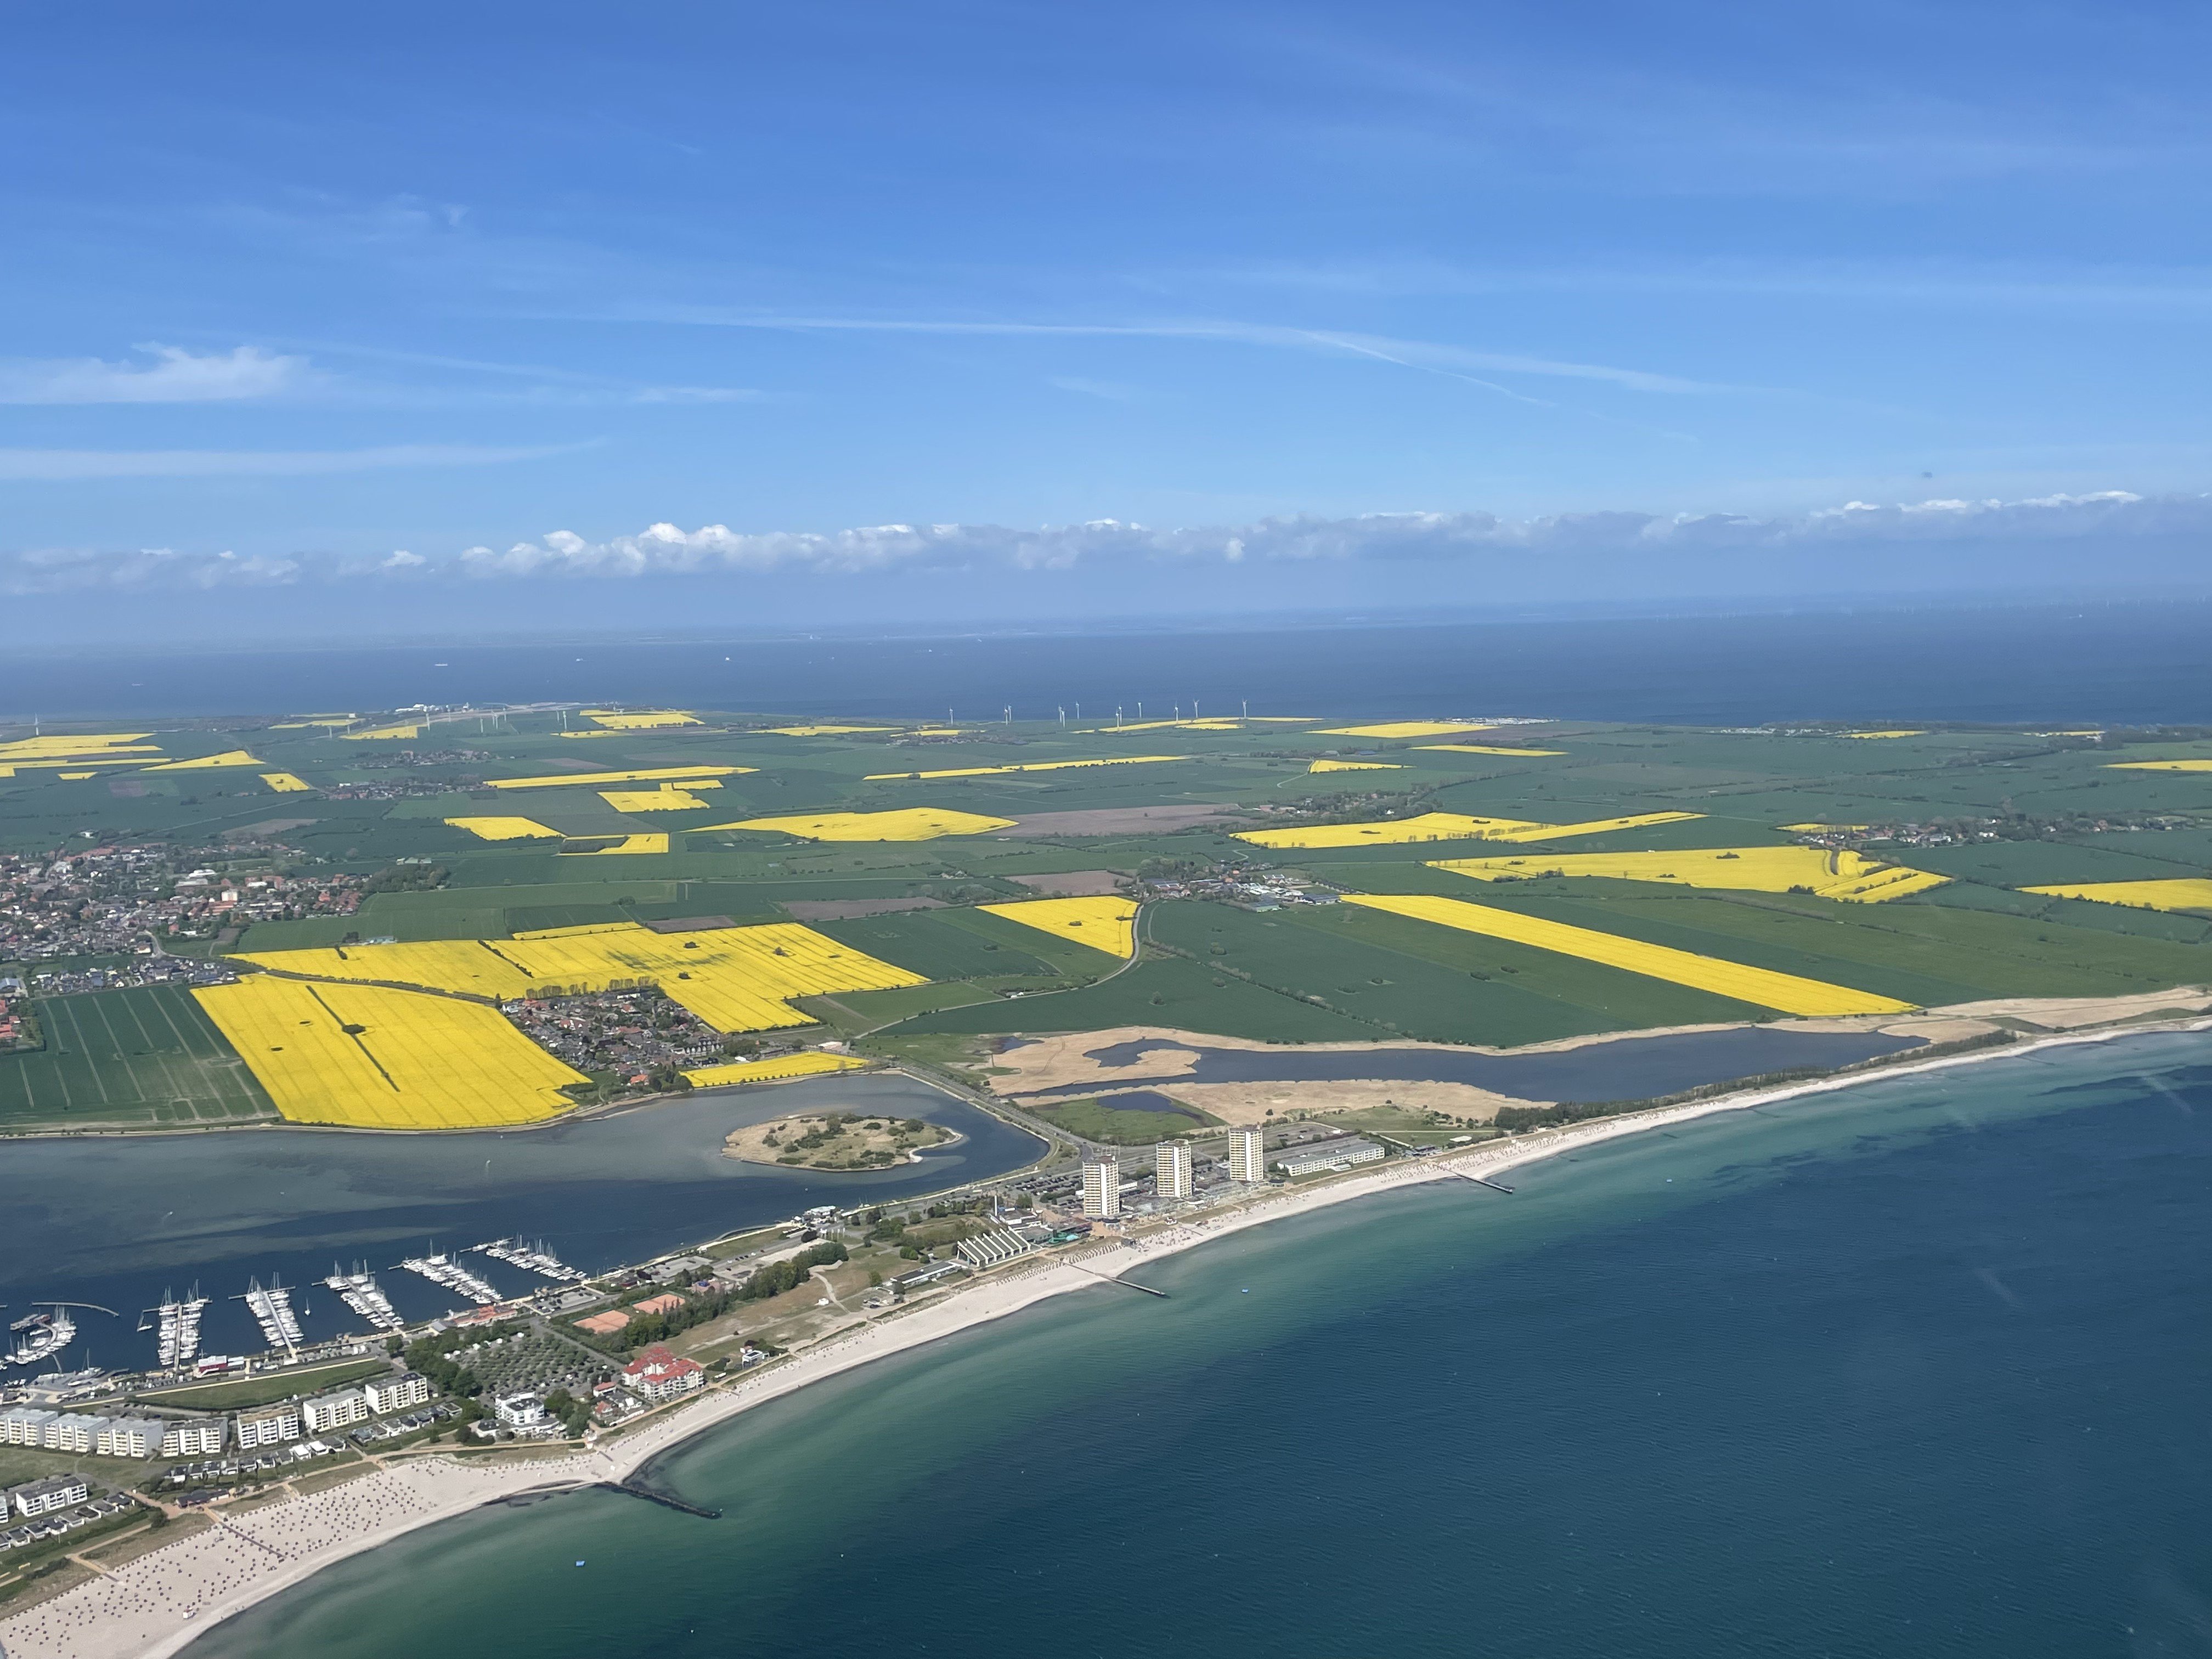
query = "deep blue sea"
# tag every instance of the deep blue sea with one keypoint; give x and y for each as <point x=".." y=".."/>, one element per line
<point x="2117" y="664"/>
<point x="1920" y="1367"/>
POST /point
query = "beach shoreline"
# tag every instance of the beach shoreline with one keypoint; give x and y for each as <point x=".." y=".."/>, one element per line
<point x="159" y="1604"/>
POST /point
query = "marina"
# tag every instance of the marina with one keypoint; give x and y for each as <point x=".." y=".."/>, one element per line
<point x="535" y="1258"/>
<point x="444" y="1270"/>
<point x="358" y="1291"/>
<point x="272" y="1310"/>
<point x="178" y="1327"/>
<point x="41" y="1335"/>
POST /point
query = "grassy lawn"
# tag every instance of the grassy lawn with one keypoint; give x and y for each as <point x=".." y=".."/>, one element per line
<point x="263" y="1390"/>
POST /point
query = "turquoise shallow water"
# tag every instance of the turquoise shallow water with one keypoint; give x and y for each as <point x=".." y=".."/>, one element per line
<point x="1924" y="1367"/>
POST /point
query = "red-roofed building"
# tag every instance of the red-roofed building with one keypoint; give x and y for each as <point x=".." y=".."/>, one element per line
<point x="657" y="1375"/>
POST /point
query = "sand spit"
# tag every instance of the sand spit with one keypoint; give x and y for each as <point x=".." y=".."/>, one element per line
<point x="156" y="1605"/>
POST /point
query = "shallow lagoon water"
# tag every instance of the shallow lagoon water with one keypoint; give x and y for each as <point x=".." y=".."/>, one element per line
<point x="116" y="1221"/>
<point x="1922" y="1366"/>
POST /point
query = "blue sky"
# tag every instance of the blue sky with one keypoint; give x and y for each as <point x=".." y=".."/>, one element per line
<point x="1631" y="301"/>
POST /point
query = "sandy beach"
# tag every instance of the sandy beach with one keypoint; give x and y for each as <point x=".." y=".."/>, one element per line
<point x="157" y="1604"/>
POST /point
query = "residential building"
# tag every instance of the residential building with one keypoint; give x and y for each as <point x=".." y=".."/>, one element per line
<point x="519" y="1411"/>
<point x="395" y="1394"/>
<point x="1171" y="1169"/>
<point x="24" y="1426"/>
<point x="269" y="1426"/>
<point x="1247" y="1155"/>
<point x="1339" y="1154"/>
<point x="68" y="1432"/>
<point x="201" y="1437"/>
<point x="657" y="1375"/>
<point x="55" y="1492"/>
<point x="326" y="1412"/>
<point x="127" y="1437"/>
<point x="1101" y="1188"/>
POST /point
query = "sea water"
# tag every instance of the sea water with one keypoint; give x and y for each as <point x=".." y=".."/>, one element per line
<point x="1920" y="1366"/>
<point x="2063" y="664"/>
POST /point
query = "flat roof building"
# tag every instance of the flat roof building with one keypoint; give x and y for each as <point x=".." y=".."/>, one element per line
<point x="392" y="1393"/>
<point x="271" y="1425"/>
<point x="335" y="1411"/>
<point x="55" y="1492"/>
<point x="1340" y="1154"/>
<point x="1101" y="1188"/>
<point x="200" y="1437"/>
<point x="1171" y="1168"/>
<point x="127" y="1437"/>
<point x="67" y="1431"/>
<point x="25" y="1426"/>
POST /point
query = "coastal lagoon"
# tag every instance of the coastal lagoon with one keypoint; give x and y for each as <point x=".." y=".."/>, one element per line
<point x="1920" y="1365"/>
<point x="118" y="1219"/>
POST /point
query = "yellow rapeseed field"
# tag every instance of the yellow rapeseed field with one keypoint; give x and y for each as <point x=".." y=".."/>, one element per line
<point x="820" y="730"/>
<point x="1355" y="766"/>
<point x="210" y="762"/>
<point x="75" y="777"/>
<point x="1033" y="766"/>
<point x="84" y="743"/>
<point x="1825" y="829"/>
<point x="782" y="1069"/>
<point x="587" y="734"/>
<point x="909" y="823"/>
<point x="626" y="846"/>
<point x="1850" y="877"/>
<point x="1222" y="723"/>
<point x="1445" y="826"/>
<point x="2182" y="893"/>
<point x="594" y="779"/>
<point x="1786" y="994"/>
<point x="646" y="720"/>
<point x="407" y="731"/>
<point x="1876" y="735"/>
<point x="736" y="979"/>
<point x="1481" y="748"/>
<point x="286" y="783"/>
<point x="669" y="798"/>
<point x="1404" y="729"/>
<point x="495" y="829"/>
<point x="366" y="1056"/>
<point x="1103" y="924"/>
<point x="2160" y="766"/>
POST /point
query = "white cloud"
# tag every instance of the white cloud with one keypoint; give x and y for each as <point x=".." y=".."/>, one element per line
<point x="174" y="376"/>
<point x="74" y="464"/>
<point x="1576" y="555"/>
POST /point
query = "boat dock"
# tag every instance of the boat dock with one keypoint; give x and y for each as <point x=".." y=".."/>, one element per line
<point x="358" y="1291"/>
<point x="443" y="1270"/>
<point x="178" y="1324"/>
<point x="539" y="1261"/>
<point x="40" y="1335"/>
<point x="272" y="1310"/>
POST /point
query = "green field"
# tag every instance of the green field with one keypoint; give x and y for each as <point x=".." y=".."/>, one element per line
<point x="1102" y="1121"/>
<point x="266" y="1391"/>
<point x="142" y="1059"/>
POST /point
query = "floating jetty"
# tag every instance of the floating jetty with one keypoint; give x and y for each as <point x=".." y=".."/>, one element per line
<point x="445" y="1271"/>
<point x="40" y="1335"/>
<point x="358" y="1291"/>
<point x="539" y="1261"/>
<point x="178" y="1325"/>
<point x="272" y="1310"/>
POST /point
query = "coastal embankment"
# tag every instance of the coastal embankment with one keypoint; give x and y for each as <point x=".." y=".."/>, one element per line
<point x="157" y="1604"/>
